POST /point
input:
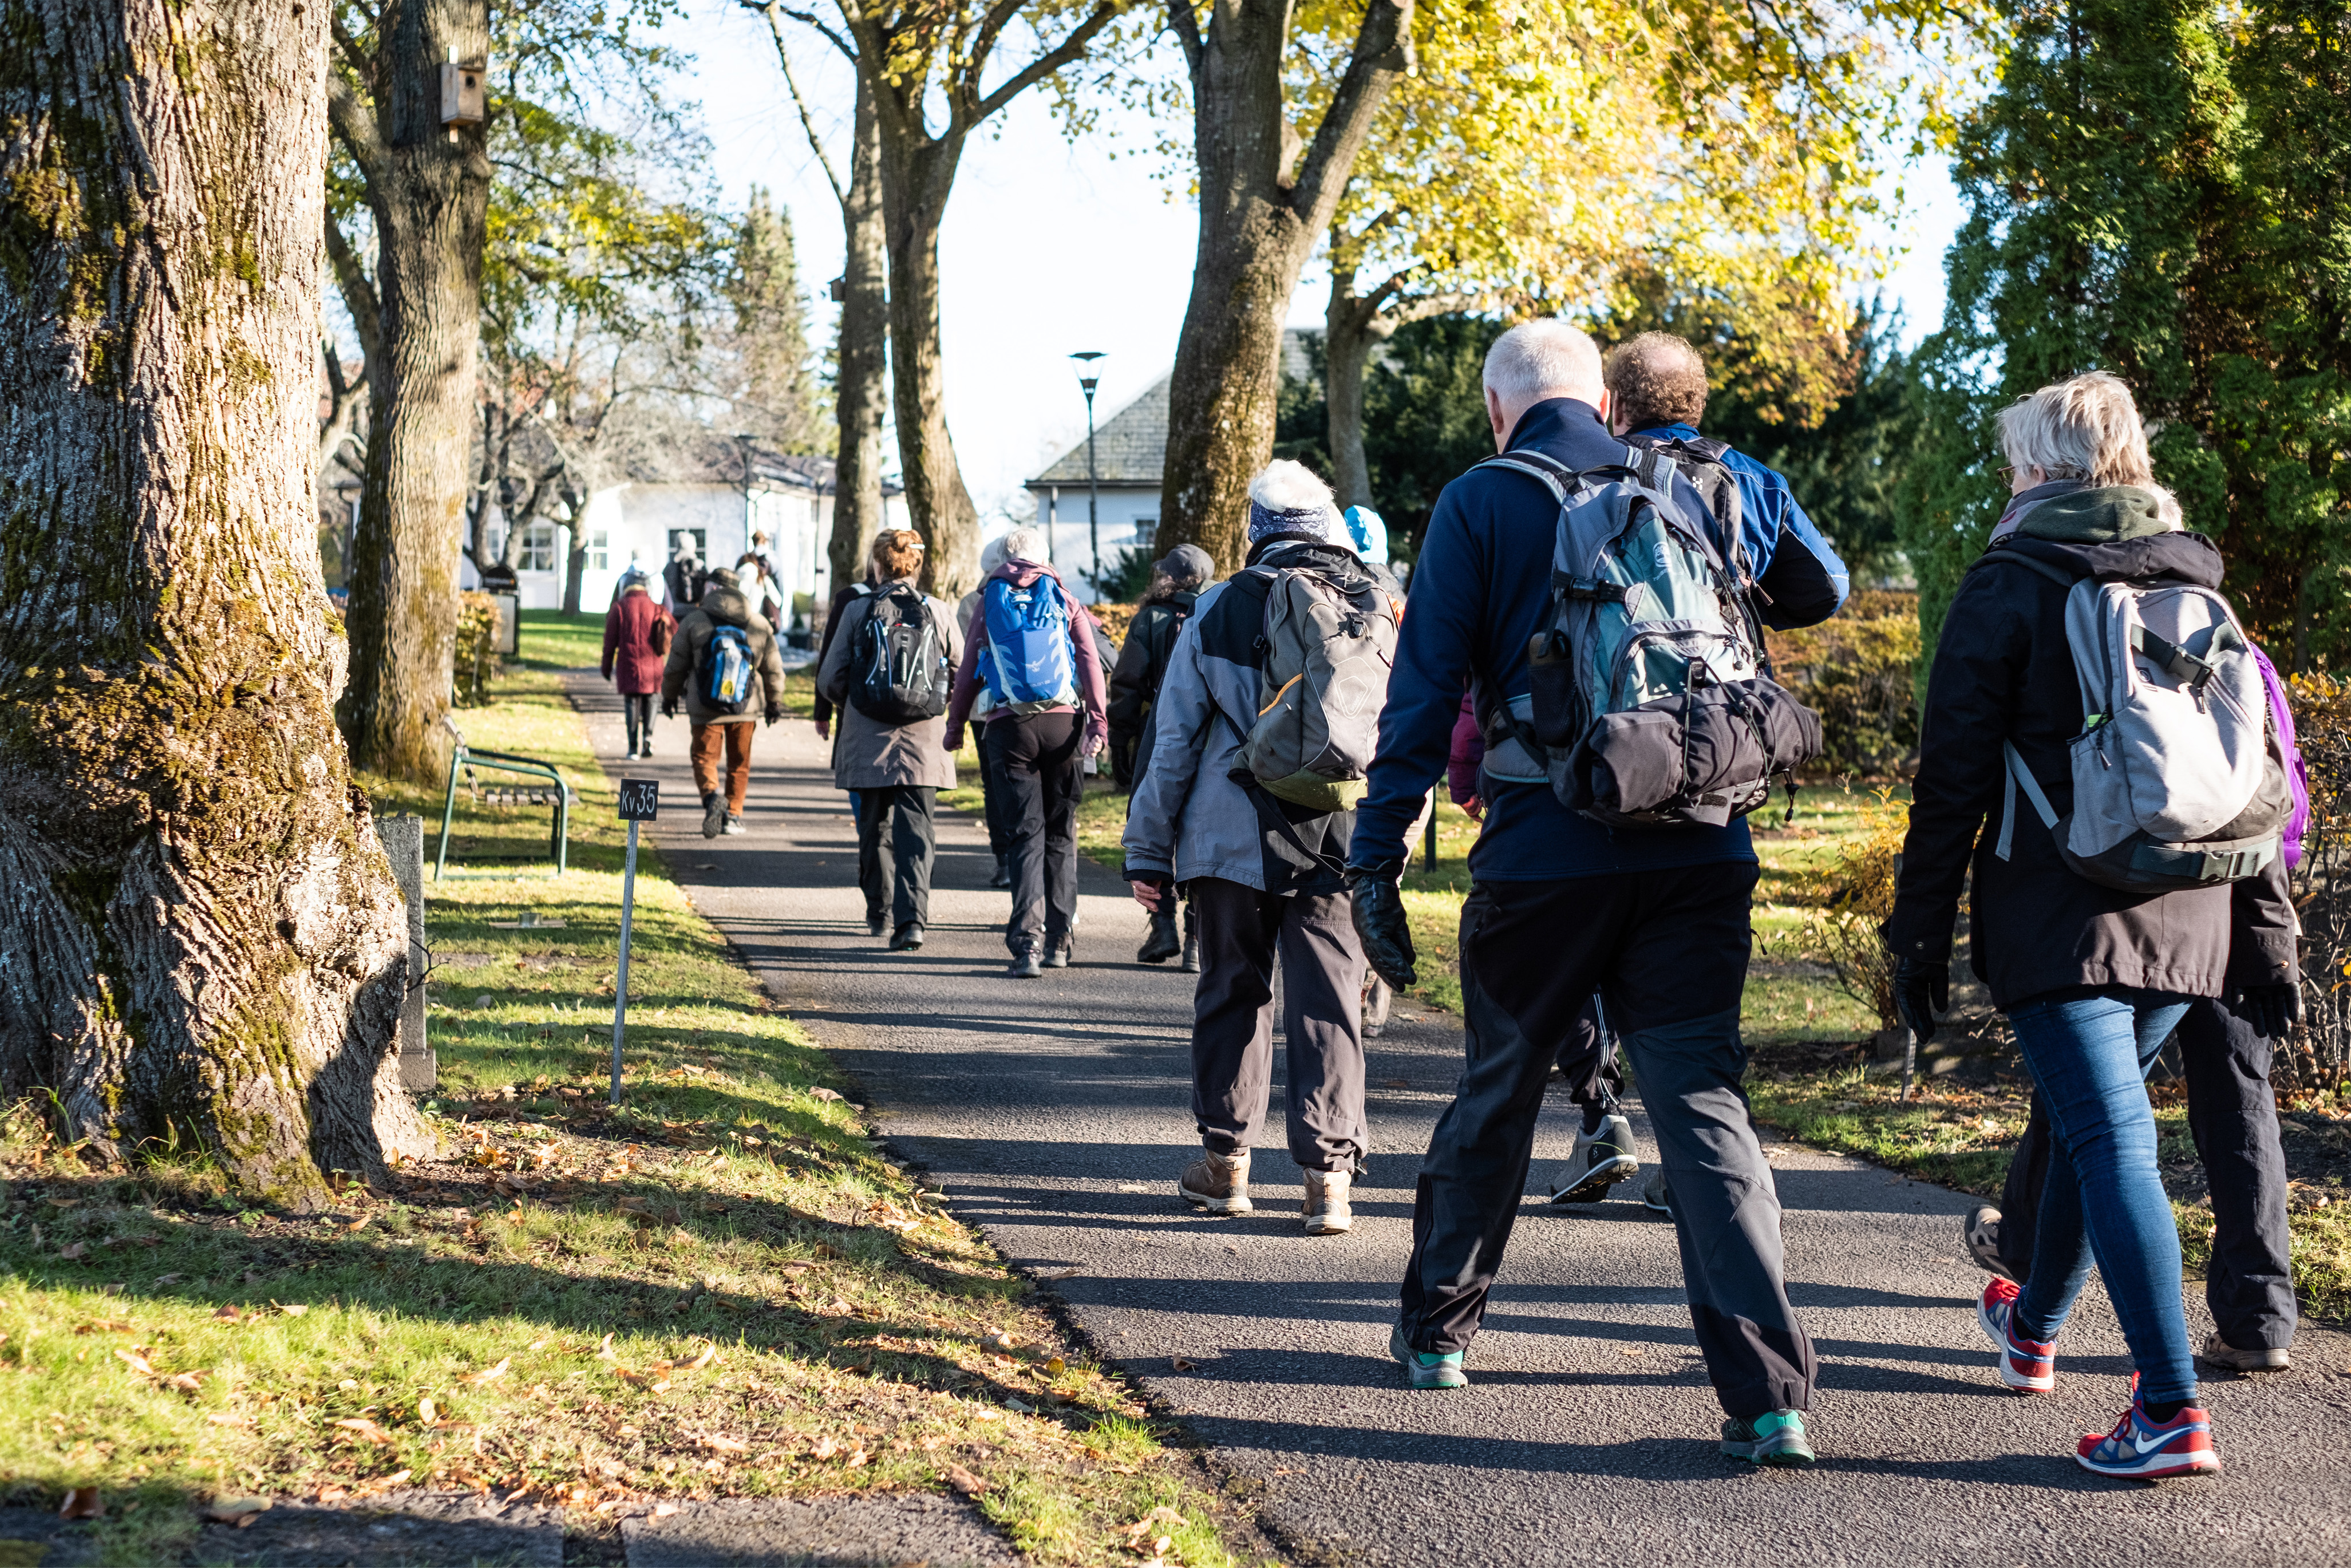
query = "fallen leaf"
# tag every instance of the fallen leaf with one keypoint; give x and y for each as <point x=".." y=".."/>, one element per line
<point x="1396" y="1084"/>
<point x="229" y="1313"/>
<point x="163" y="1282"/>
<point x="719" y="1445"/>
<point x="964" y="1482"/>
<point x="428" y="1412"/>
<point x="1055" y="1366"/>
<point x="81" y="1503"/>
<point x="237" y="1511"/>
<point x="362" y="1427"/>
<point x="1628" y="1350"/>
<point x="983" y="1412"/>
<point x="136" y="1362"/>
<point x="64" y="1203"/>
<point x="1067" y="1272"/>
<point x="825" y="1447"/>
<point x="855" y="1459"/>
<point x="604" y="1351"/>
<point x="359" y="1224"/>
<point x="74" y="1253"/>
<point x="489" y="1375"/>
<point x="1180" y="1364"/>
<point x="186" y="1382"/>
<point x="103" y="1326"/>
<point x="709" y="1354"/>
<point x="826" y="1095"/>
<point x="1018" y="1408"/>
<point x="1001" y="1342"/>
<point x="664" y="1510"/>
<point x="291" y="1309"/>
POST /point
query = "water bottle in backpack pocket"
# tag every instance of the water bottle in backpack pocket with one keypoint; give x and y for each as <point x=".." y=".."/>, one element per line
<point x="899" y="665"/>
<point x="725" y="669"/>
<point x="1648" y="705"/>
<point x="2179" y="777"/>
<point x="1030" y="659"/>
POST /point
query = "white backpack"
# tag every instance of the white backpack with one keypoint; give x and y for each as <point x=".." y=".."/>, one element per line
<point x="2178" y="782"/>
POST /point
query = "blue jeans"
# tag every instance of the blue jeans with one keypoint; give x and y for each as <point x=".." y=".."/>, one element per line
<point x="2104" y="1195"/>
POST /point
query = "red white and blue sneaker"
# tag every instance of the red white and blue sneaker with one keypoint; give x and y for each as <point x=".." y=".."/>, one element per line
<point x="2026" y="1365"/>
<point x="2141" y="1450"/>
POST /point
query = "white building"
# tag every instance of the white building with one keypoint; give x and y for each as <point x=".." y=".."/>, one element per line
<point x="788" y="498"/>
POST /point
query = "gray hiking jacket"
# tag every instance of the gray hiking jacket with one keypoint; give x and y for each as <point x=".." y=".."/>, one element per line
<point x="1187" y="818"/>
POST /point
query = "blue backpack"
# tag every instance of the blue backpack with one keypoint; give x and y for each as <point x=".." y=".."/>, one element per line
<point x="726" y="669"/>
<point x="1030" y="668"/>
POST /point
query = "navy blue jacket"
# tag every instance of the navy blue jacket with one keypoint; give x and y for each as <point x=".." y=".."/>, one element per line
<point x="1803" y="581"/>
<point x="1481" y="589"/>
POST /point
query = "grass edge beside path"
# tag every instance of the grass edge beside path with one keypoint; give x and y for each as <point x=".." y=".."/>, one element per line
<point x="723" y="1288"/>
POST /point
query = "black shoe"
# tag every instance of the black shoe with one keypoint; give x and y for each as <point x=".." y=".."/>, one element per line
<point x="1002" y="876"/>
<point x="1160" y="943"/>
<point x="714" y="815"/>
<point x="1980" y="1236"/>
<point x="1058" y="955"/>
<point x="876" y="923"/>
<point x="1191" y="948"/>
<point x="1027" y="965"/>
<point x="907" y="938"/>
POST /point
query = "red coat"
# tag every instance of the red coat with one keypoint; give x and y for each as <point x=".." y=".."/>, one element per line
<point x="629" y="643"/>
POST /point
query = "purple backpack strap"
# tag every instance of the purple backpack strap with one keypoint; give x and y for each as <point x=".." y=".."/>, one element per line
<point x="2297" y="776"/>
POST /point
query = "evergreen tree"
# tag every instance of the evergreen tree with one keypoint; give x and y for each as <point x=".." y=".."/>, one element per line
<point x="776" y="394"/>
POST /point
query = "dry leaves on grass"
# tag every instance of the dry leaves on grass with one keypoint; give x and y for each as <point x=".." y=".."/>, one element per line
<point x="489" y="1375"/>
<point x="1148" y="1537"/>
<point x="964" y="1482"/>
<point x="238" y="1512"/>
<point x="364" y="1429"/>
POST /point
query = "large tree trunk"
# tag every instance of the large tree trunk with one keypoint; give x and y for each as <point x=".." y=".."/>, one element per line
<point x="200" y="941"/>
<point x="918" y="176"/>
<point x="861" y="396"/>
<point x="1258" y="227"/>
<point x="428" y="188"/>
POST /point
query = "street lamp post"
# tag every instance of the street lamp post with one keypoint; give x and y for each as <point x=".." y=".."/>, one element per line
<point x="1089" y="379"/>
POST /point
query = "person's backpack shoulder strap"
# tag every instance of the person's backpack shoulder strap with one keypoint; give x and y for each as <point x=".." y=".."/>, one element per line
<point x="1541" y="467"/>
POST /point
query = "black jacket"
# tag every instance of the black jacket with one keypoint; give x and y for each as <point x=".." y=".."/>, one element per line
<point x="2003" y="672"/>
<point x="1135" y="682"/>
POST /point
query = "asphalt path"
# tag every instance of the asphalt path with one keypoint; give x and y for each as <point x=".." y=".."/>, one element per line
<point x="1056" y="1112"/>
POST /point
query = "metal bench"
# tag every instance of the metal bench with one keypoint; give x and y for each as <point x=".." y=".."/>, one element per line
<point x="463" y="763"/>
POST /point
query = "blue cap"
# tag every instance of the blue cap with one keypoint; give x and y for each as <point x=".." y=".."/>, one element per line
<point x="1370" y="535"/>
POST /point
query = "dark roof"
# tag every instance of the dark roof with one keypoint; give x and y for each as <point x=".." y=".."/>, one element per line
<point x="800" y="471"/>
<point x="1130" y="446"/>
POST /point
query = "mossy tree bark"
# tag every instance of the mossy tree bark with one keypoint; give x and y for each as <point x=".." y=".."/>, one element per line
<point x="200" y="939"/>
<point x="428" y="189"/>
<point x="1259" y="222"/>
<point x="861" y="387"/>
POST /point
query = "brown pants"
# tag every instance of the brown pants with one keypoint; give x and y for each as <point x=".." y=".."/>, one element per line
<point x="735" y="738"/>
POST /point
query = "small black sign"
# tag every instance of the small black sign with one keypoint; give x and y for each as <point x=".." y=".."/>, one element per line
<point x="640" y="800"/>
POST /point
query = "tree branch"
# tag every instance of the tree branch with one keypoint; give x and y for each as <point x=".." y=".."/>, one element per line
<point x="775" y="14"/>
<point x="810" y="19"/>
<point x="358" y="291"/>
<point x="1186" y="27"/>
<point x="1053" y="59"/>
<point x="354" y="126"/>
<point x="1382" y="52"/>
<point x="362" y="63"/>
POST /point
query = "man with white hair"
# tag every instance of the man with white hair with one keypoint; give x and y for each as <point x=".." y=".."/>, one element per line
<point x="1655" y="919"/>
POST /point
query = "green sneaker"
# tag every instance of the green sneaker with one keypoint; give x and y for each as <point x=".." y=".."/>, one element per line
<point x="1774" y="1440"/>
<point x="1423" y="1369"/>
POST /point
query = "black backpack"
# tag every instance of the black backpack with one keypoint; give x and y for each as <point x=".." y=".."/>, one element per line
<point x="899" y="670"/>
<point x="1700" y="462"/>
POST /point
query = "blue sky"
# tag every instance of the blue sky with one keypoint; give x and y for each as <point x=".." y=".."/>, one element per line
<point x="1052" y="246"/>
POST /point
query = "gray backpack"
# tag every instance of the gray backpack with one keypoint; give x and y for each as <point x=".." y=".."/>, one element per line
<point x="1649" y="703"/>
<point x="1330" y="642"/>
<point x="2178" y="778"/>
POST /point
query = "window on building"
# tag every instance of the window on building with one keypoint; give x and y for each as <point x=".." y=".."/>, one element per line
<point x="600" y="552"/>
<point x="538" y="553"/>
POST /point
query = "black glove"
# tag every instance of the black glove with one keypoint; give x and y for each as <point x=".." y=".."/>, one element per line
<point x="2273" y="1010"/>
<point x="1922" y="988"/>
<point x="669" y="707"/>
<point x="774" y="714"/>
<point x="1380" y="923"/>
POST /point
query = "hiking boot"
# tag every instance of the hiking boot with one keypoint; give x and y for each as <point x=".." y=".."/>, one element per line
<point x="1002" y="876"/>
<point x="1600" y="1160"/>
<point x="1326" y="1210"/>
<point x="1059" y="954"/>
<point x="1160" y="943"/>
<point x="1655" y="1196"/>
<point x="1427" y="1368"/>
<point x="1376" y="1001"/>
<point x="2027" y="1365"/>
<point x="1027" y="965"/>
<point x="2219" y="1353"/>
<point x="1191" y="942"/>
<point x="1981" y="1239"/>
<point x="1777" y="1439"/>
<point x="714" y="815"/>
<point x="1217" y="1183"/>
<point x="907" y="938"/>
<point x="733" y="824"/>
<point x="876" y="921"/>
<point x="2139" y="1449"/>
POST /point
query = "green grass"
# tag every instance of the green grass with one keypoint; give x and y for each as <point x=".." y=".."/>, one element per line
<point x="722" y="1288"/>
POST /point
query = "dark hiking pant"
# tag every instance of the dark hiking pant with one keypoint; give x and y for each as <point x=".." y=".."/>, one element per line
<point x="1242" y="931"/>
<point x="2232" y="1115"/>
<point x="1668" y="949"/>
<point x="1587" y="1059"/>
<point x="1037" y="754"/>
<point x="640" y="712"/>
<point x="901" y="886"/>
<point x="992" y="797"/>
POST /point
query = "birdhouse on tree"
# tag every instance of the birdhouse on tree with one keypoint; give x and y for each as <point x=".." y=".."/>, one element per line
<point x="461" y="93"/>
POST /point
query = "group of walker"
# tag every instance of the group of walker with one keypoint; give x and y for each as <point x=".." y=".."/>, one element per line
<point x="2101" y="746"/>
